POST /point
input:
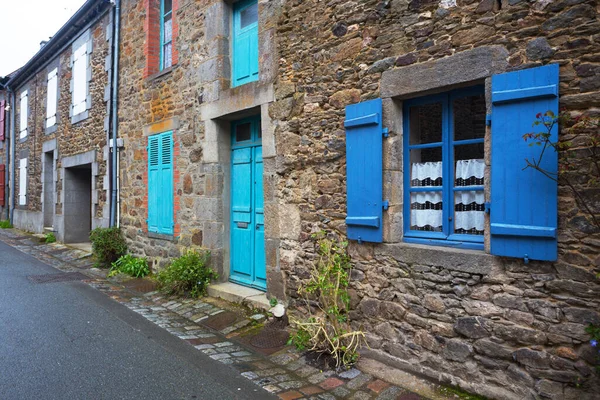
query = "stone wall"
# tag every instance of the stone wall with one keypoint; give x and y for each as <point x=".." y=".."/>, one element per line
<point x="68" y="139"/>
<point x="494" y="326"/>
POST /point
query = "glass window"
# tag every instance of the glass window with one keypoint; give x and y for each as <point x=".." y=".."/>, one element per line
<point x="444" y="162"/>
<point x="166" y="50"/>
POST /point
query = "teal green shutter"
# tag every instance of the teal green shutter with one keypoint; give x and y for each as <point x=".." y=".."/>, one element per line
<point x="153" y="182"/>
<point x="245" y="42"/>
<point x="364" y="171"/>
<point x="160" y="183"/>
<point x="523" y="212"/>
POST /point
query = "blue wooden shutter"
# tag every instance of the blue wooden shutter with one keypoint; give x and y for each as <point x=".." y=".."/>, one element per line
<point x="364" y="171"/>
<point x="523" y="202"/>
<point x="153" y="182"/>
<point x="165" y="198"/>
<point x="245" y="42"/>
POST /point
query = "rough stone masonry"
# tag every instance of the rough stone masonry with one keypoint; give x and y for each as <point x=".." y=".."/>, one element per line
<point x="494" y="326"/>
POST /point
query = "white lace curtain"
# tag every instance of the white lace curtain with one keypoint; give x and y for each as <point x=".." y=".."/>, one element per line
<point x="426" y="207"/>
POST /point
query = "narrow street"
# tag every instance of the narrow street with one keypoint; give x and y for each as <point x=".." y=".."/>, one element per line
<point x="66" y="340"/>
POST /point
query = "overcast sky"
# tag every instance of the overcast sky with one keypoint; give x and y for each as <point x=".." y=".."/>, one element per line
<point x="25" y="24"/>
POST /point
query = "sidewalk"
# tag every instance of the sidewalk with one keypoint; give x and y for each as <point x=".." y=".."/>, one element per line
<point x="227" y="332"/>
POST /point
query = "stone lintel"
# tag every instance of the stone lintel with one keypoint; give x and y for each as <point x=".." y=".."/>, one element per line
<point x="233" y="102"/>
<point x="166" y="125"/>
<point x="461" y="68"/>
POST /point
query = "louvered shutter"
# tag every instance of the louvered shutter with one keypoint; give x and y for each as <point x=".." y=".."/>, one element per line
<point x="153" y="182"/>
<point x="2" y="118"/>
<point x="22" y="181"/>
<point x="24" y="115"/>
<point x="80" y="61"/>
<point x="523" y="202"/>
<point x="51" y="98"/>
<point x="2" y="185"/>
<point x="165" y="200"/>
<point x="364" y="171"/>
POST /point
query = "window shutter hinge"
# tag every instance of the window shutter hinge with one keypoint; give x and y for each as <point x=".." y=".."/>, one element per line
<point x="487" y="206"/>
<point x="359" y="240"/>
<point x="488" y="120"/>
<point x="526" y="259"/>
<point x="386" y="132"/>
<point x="385" y="204"/>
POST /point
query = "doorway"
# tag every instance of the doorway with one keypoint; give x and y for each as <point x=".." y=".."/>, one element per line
<point x="247" y="256"/>
<point x="49" y="188"/>
<point x="78" y="203"/>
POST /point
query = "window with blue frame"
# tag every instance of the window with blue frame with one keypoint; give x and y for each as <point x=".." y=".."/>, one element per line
<point x="444" y="168"/>
<point x="166" y="33"/>
<point x="245" y="42"/>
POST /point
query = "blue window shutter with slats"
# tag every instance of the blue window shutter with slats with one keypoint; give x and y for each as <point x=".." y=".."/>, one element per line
<point x="165" y="198"/>
<point x="364" y="171"/>
<point x="523" y="216"/>
<point x="160" y="183"/>
<point x="153" y="182"/>
<point x="245" y="42"/>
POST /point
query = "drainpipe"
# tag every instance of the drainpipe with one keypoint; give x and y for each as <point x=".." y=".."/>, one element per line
<point x="12" y="199"/>
<point x="8" y="157"/>
<point x="115" y="117"/>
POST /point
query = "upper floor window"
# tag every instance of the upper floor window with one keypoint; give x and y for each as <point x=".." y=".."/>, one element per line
<point x="160" y="183"/>
<point x="166" y="33"/>
<point x="245" y="42"/>
<point x="24" y="114"/>
<point x="52" y="96"/>
<point x="444" y="166"/>
<point x="81" y="77"/>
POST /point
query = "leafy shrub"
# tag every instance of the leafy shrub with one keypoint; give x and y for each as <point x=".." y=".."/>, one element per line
<point x="188" y="274"/>
<point x="50" y="238"/>
<point x="327" y="329"/>
<point x="130" y="265"/>
<point x="108" y="245"/>
<point x="5" y="224"/>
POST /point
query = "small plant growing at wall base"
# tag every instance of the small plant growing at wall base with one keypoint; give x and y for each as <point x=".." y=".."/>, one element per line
<point x="594" y="332"/>
<point x="187" y="275"/>
<point x="50" y="238"/>
<point x="130" y="265"/>
<point x="108" y="245"/>
<point x="327" y="329"/>
<point x="5" y="224"/>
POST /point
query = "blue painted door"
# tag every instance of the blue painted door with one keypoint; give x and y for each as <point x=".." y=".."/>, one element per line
<point x="248" y="266"/>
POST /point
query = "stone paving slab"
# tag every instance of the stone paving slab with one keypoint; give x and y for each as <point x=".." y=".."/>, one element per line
<point x="284" y="373"/>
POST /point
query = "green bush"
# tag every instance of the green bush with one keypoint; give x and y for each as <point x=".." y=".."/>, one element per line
<point x="130" y="265"/>
<point x="108" y="245"/>
<point x="5" y="224"/>
<point x="50" y="238"/>
<point x="188" y="274"/>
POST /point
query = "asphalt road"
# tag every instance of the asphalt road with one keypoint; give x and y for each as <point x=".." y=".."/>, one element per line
<point x="69" y="341"/>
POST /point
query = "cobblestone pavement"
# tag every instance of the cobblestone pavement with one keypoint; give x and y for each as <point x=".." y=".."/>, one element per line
<point x="285" y="372"/>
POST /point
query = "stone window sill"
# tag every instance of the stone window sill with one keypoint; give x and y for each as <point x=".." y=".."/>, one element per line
<point x="162" y="236"/>
<point x="160" y="74"/>
<point x="80" y="117"/>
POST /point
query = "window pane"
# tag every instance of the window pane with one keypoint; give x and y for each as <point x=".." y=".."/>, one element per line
<point x="242" y="132"/>
<point x="249" y="15"/>
<point x="426" y="123"/>
<point x="469" y="117"/>
<point x="168" y="5"/>
<point x="469" y="172"/>
<point x="469" y="151"/>
<point x="167" y="55"/>
<point x="426" y="211"/>
<point x="167" y="29"/>
<point x="469" y="210"/>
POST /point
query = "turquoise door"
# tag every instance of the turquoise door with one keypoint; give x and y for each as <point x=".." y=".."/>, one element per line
<point x="248" y="265"/>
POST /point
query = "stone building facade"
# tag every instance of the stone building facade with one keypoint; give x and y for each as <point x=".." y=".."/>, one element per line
<point x="499" y="326"/>
<point x="60" y="152"/>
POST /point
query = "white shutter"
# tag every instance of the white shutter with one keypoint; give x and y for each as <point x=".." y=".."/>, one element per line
<point x="24" y="115"/>
<point x="52" y="95"/>
<point x="22" y="181"/>
<point x="80" y="61"/>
